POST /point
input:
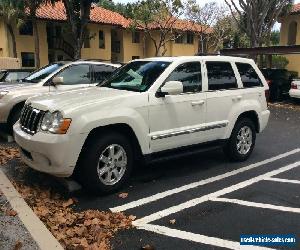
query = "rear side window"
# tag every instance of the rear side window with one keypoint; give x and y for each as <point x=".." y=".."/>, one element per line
<point x="248" y="75"/>
<point x="220" y="76"/>
<point x="190" y="76"/>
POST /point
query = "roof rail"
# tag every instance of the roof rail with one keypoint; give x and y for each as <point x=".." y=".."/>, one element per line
<point x="207" y="54"/>
<point x="100" y="60"/>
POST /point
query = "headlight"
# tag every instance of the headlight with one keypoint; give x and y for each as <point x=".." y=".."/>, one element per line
<point x="3" y="93"/>
<point x="55" y="123"/>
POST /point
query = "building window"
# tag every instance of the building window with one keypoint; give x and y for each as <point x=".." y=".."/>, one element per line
<point x="179" y="38"/>
<point x="135" y="57"/>
<point x="292" y="33"/>
<point x="135" y="37"/>
<point x="28" y="59"/>
<point x="190" y="38"/>
<point x="101" y="39"/>
<point x="26" y="29"/>
<point x="86" y="43"/>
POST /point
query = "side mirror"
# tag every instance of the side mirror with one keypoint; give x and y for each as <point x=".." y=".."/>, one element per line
<point x="57" y="80"/>
<point x="172" y="88"/>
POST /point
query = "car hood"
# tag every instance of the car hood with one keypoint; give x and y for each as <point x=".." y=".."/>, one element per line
<point x="15" y="85"/>
<point x="68" y="101"/>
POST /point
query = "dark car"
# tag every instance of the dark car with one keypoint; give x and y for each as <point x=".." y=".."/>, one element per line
<point x="279" y="81"/>
<point x="13" y="75"/>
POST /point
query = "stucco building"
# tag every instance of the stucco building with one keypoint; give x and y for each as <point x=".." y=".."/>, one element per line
<point x="290" y="35"/>
<point x="110" y="38"/>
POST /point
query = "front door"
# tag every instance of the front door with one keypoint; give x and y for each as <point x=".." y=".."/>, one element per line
<point x="75" y="76"/>
<point x="176" y="120"/>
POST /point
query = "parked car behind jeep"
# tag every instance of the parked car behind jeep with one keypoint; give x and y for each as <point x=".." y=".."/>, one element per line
<point x="54" y="78"/>
<point x="13" y="75"/>
<point x="279" y="81"/>
<point x="150" y="109"/>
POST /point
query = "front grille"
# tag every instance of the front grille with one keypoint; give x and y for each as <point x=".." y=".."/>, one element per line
<point x="30" y="119"/>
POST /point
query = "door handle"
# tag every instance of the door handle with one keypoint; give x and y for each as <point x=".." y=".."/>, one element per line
<point x="198" y="103"/>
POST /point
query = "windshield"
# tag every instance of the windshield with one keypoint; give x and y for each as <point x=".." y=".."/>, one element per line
<point x="136" y="76"/>
<point x="43" y="72"/>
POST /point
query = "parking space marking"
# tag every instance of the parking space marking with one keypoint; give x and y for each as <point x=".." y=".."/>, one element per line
<point x="196" y="201"/>
<point x="258" y="205"/>
<point x="162" y="195"/>
<point x="282" y="180"/>
<point x="197" y="237"/>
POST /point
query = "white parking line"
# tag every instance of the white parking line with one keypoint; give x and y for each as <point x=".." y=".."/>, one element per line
<point x="162" y="195"/>
<point x="197" y="237"/>
<point x="282" y="180"/>
<point x="258" y="205"/>
<point x="196" y="201"/>
<point x="44" y="239"/>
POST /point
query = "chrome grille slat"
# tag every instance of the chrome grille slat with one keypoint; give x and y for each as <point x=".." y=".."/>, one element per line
<point x="30" y="119"/>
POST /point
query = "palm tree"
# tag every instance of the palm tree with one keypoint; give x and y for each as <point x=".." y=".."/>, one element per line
<point x="12" y="11"/>
<point x="32" y="6"/>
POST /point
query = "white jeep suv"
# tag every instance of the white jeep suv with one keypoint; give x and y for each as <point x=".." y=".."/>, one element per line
<point x="55" y="77"/>
<point x="148" y="109"/>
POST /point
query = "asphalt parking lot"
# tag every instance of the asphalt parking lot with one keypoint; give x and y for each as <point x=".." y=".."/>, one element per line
<point x="206" y="202"/>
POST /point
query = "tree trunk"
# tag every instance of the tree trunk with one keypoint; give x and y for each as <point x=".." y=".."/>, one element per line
<point x="36" y="43"/>
<point x="13" y="38"/>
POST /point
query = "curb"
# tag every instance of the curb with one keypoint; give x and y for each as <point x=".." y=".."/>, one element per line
<point x="39" y="232"/>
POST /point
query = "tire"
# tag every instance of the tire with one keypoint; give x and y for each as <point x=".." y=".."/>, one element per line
<point x="90" y="165"/>
<point x="231" y="148"/>
<point x="13" y="118"/>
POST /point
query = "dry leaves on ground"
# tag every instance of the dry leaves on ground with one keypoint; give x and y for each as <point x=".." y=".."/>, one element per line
<point x="285" y="105"/>
<point x="7" y="154"/>
<point x="10" y="212"/>
<point x="91" y="229"/>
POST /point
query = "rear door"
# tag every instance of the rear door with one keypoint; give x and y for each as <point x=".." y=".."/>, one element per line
<point x="222" y="95"/>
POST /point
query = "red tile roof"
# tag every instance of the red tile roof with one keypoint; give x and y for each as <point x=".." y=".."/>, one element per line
<point x="57" y="12"/>
<point x="295" y="8"/>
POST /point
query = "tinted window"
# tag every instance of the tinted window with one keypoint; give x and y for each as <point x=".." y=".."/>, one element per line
<point x="248" y="75"/>
<point x="27" y="59"/>
<point x="76" y="74"/>
<point x="136" y="76"/>
<point x="190" y="76"/>
<point x="43" y="72"/>
<point x="220" y="76"/>
<point x="102" y="72"/>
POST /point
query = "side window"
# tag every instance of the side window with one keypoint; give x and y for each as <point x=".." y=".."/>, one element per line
<point x="76" y="74"/>
<point x="190" y="76"/>
<point x="102" y="72"/>
<point x="248" y="75"/>
<point x="220" y="76"/>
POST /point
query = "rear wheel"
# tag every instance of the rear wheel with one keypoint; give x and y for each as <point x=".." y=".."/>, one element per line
<point x="106" y="163"/>
<point x="242" y="140"/>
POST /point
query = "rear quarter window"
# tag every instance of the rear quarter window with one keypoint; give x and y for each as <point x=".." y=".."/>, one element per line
<point x="249" y="77"/>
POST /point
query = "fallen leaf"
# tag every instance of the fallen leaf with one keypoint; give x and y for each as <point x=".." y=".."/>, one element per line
<point x="11" y="212"/>
<point x="132" y="217"/>
<point x="148" y="247"/>
<point x="68" y="203"/>
<point x="172" y="221"/>
<point x="123" y="195"/>
<point x="18" y="245"/>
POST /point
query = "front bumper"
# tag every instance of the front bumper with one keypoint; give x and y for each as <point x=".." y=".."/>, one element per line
<point x="294" y="93"/>
<point x="53" y="154"/>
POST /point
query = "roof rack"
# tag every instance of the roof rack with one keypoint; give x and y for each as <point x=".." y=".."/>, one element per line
<point x="207" y="54"/>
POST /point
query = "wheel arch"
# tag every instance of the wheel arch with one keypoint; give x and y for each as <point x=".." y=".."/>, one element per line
<point x="14" y="108"/>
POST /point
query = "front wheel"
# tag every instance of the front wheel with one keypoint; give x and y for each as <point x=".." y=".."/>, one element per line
<point x="106" y="163"/>
<point x="242" y="140"/>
